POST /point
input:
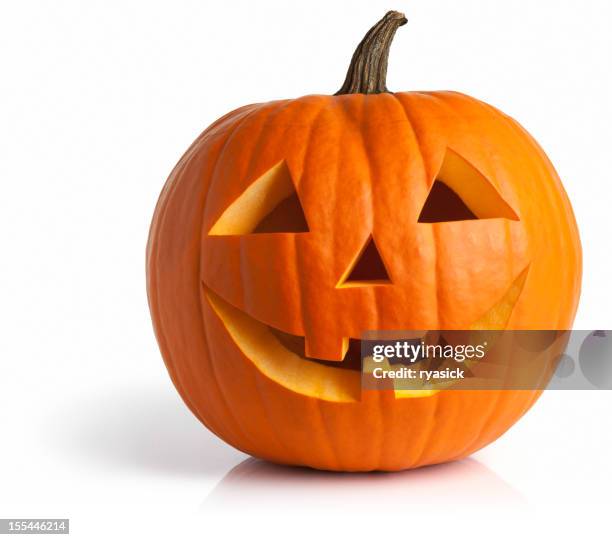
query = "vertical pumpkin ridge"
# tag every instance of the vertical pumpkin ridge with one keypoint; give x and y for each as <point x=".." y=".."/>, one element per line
<point x="264" y="400"/>
<point x="200" y="292"/>
<point x="381" y="437"/>
<point x="493" y="411"/>
<point x="434" y="239"/>
<point x="152" y="256"/>
<point x="299" y="262"/>
<point x="160" y="220"/>
<point x="431" y="427"/>
<point x="329" y="435"/>
<point x="443" y="403"/>
<point x="304" y="303"/>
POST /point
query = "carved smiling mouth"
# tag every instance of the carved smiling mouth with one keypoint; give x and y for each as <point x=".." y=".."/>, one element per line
<point x="280" y="356"/>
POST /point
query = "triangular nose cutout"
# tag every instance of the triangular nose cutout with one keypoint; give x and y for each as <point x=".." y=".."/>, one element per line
<point x="367" y="270"/>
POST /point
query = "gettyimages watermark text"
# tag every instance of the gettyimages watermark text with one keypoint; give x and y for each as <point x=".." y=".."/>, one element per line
<point x="487" y="360"/>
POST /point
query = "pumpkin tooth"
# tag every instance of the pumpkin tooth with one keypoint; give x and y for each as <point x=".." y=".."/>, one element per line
<point x="261" y="347"/>
<point x="327" y="348"/>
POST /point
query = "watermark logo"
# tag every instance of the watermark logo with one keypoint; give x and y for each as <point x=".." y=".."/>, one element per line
<point x="487" y="359"/>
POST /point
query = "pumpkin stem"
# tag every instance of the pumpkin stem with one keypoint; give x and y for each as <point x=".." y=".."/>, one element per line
<point x="367" y="73"/>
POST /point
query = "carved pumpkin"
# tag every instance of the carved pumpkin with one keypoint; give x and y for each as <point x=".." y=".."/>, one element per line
<point x="290" y="227"/>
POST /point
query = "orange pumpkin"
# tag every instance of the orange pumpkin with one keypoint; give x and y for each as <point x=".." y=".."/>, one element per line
<point x="290" y="227"/>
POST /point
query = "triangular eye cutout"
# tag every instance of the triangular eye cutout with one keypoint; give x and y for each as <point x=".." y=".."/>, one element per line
<point x="443" y="204"/>
<point x="269" y="205"/>
<point x="368" y="269"/>
<point x="461" y="192"/>
<point x="287" y="216"/>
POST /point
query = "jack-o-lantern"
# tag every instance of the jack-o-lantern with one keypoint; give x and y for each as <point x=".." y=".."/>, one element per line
<point x="290" y="227"/>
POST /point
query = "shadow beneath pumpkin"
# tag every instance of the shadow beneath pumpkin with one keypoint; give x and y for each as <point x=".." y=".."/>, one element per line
<point x="257" y="484"/>
<point x="149" y="430"/>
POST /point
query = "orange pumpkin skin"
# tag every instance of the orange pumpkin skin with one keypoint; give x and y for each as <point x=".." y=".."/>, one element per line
<point x="362" y="165"/>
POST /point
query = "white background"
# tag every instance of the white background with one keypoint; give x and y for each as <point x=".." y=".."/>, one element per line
<point x="98" y="100"/>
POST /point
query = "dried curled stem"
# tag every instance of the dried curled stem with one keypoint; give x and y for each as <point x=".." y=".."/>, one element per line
<point x="367" y="73"/>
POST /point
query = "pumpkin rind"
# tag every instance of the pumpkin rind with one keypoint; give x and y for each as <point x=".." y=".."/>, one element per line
<point x="362" y="165"/>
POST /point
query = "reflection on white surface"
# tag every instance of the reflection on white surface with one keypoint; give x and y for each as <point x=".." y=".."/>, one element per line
<point x="148" y="435"/>
<point x="255" y="483"/>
